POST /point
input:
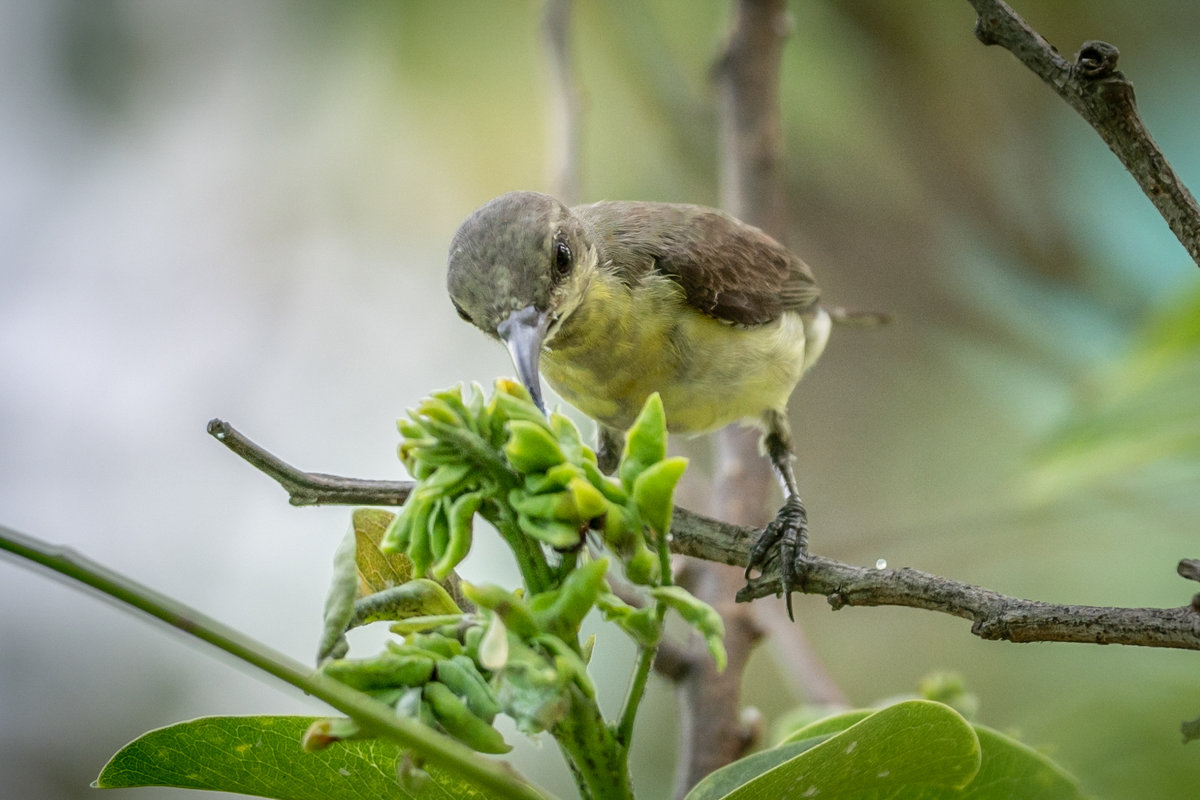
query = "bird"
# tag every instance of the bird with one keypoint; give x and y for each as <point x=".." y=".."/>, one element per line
<point x="612" y="301"/>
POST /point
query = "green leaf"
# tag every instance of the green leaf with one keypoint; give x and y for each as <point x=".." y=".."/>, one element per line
<point x="339" y="601"/>
<point x="925" y="748"/>
<point x="261" y="756"/>
<point x="532" y="693"/>
<point x="834" y="723"/>
<point x="1012" y="769"/>
<point x="376" y="570"/>
<point x="725" y="780"/>
<point x="916" y="749"/>
<point x="640" y="624"/>
<point x="700" y="615"/>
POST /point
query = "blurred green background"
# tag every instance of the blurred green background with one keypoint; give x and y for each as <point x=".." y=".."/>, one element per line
<point x="242" y="208"/>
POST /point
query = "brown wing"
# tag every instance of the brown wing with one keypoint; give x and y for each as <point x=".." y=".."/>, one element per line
<point x="729" y="270"/>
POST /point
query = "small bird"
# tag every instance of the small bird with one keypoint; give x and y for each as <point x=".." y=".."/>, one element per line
<point x="616" y="300"/>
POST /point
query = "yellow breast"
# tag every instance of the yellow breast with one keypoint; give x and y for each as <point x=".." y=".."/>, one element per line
<point x="621" y="344"/>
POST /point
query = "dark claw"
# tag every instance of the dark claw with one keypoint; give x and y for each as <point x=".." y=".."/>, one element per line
<point x="789" y="530"/>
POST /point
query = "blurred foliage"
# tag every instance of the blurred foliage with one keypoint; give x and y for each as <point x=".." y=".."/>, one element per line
<point x="1140" y="415"/>
<point x="1046" y="316"/>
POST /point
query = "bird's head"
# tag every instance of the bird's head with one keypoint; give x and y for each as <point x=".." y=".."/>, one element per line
<point x="517" y="269"/>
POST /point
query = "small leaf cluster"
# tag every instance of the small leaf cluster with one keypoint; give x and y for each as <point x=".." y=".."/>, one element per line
<point x="454" y="670"/>
<point x="503" y="459"/>
<point x="430" y="675"/>
<point x="468" y="652"/>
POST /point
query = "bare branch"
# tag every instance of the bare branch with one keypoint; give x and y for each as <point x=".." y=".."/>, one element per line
<point x="565" y="104"/>
<point x="1093" y="86"/>
<point x="746" y="75"/>
<point x="310" y="488"/>
<point x="994" y="616"/>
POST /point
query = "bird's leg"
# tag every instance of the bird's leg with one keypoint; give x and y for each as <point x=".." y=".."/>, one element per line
<point x="790" y="527"/>
<point x="609" y="442"/>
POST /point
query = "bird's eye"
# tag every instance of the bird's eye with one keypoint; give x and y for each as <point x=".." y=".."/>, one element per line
<point x="562" y="258"/>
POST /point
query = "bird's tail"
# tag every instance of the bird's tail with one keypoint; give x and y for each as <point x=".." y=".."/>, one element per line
<point x="849" y="318"/>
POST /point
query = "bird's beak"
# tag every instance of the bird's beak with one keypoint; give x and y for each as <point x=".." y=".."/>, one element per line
<point x="523" y="333"/>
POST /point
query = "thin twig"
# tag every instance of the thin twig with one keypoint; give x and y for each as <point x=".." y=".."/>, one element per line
<point x="497" y="778"/>
<point x="993" y="615"/>
<point x="311" y="488"/>
<point x="749" y="155"/>
<point x="565" y="104"/>
<point x="1092" y="85"/>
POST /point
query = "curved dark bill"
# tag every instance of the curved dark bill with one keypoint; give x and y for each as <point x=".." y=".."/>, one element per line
<point x="523" y="333"/>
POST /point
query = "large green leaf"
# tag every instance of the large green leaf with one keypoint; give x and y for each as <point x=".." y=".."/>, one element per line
<point x="916" y="750"/>
<point x="915" y="745"/>
<point x="720" y="783"/>
<point x="1011" y="769"/>
<point x="261" y="756"/>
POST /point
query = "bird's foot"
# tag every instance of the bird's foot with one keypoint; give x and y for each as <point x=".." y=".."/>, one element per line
<point x="789" y="530"/>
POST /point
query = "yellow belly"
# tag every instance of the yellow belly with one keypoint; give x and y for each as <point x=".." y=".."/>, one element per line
<point x="619" y="346"/>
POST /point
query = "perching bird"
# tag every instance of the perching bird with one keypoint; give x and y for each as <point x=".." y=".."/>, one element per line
<point x="616" y="300"/>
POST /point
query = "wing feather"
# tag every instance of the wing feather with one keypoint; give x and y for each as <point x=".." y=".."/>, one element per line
<point x="727" y="269"/>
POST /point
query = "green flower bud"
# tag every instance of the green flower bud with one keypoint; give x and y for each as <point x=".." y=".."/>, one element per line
<point x="464" y="679"/>
<point x="504" y="604"/>
<point x="644" y="567"/>
<point x="456" y="717"/>
<point x="646" y="441"/>
<point x="384" y="671"/>
<point x="560" y="535"/>
<point x="654" y="490"/>
<point x="531" y="447"/>
<point x="561" y="610"/>
<point x="461" y="517"/>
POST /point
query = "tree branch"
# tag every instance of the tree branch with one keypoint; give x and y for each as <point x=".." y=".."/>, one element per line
<point x="993" y="615"/>
<point x="746" y="76"/>
<point x="565" y="104"/>
<point x="310" y="488"/>
<point x="1093" y="86"/>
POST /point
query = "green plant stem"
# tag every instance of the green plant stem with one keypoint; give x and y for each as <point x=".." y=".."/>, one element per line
<point x="597" y="759"/>
<point x="641" y="672"/>
<point x="494" y="776"/>
<point x="535" y="569"/>
<point x="633" y="698"/>
<point x="637" y="684"/>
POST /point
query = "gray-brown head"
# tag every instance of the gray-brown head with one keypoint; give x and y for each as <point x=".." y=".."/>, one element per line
<point x="510" y="269"/>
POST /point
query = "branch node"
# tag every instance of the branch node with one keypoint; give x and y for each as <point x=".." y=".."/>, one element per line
<point x="837" y="600"/>
<point x="1095" y="60"/>
<point x="1189" y="568"/>
<point x="984" y="31"/>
